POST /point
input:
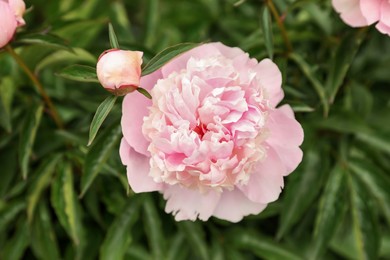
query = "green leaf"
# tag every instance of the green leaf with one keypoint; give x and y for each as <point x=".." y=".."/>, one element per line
<point x="342" y="60"/>
<point x="27" y="137"/>
<point x="144" y="92"/>
<point x="262" y="247"/>
<point x="7" y="89"/>
<point x="48" y="40"/>
<point x="363" y="221"/>
<point x="153" y="228"/>
<point x="44" y="174"/>
<point x="152" y="19"/>
<point x="101" y="113"/>
<point x="118" y="236"/>
<point x="113" y="40"/>
<point x="166" y="55"/>
<point x="10" y="212"/>
<point x="80" y="73"/>
<point x="65" y="203"/>
<point x="8" y="162"/>
<point x="177" y="249"/>
<point x="310" y="75"/>
<point x="301" y="191"/>
<point x="43" y="238"/>
<point x="196" y="237"/>
<point x="329" y="211"/>
<point x="17" y="244"/>
<point x="375" y="180"/>
<point x="266" y="26"/>
<point x="98" y="155"/>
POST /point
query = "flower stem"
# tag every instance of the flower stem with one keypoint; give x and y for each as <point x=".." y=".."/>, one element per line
<point x="38" y="85"/>
<point x="279" y="21"/>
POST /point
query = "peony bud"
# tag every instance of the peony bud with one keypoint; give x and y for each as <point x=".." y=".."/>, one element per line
<point x="7" y="23"/>
<point x="18" y="7"/>
<point x="119" y="71"/>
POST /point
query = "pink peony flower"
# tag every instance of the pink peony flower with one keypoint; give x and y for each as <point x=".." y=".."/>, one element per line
<point x="211" y="139"/>
<point x="7" y="23"/>
<point x="358" y="13"/>
<point x="119" y="71"/>
<point x="18" y="7"/>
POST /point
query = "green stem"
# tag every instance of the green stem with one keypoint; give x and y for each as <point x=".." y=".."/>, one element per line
<point x="38" y="85"/>
<point x="279" y="21"/>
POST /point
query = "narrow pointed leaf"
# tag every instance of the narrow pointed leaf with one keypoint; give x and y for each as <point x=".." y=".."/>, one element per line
<point x="118" y="236"/>
<point x="166" y="55"/>
<point x="144" y="92"/>
<point x="196" y="237"/>
<point x="266" y="26"/>
<point x="366" y="235"/>
<point x="47" y="40"/>
<point x="101" y="113"/>
<point x="17" y="244"/>
<point x="10" y="212"/>
<point x="154" y="230"/>
<point x="7" y="89"/>
<point x="329" y="211"/>
<point x="28" y="137"/>
<point x="80" y="73"/>
<point x="44" y="174"/>
<point x="98" y="155"/>
<point x="113" y="39"/>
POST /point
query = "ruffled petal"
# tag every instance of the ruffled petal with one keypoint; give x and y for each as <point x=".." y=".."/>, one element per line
<point x="233" y="206"/>
<point x="350" y="12"/>
<point x="286" y="135"/>
<point x="134" y="108"/>
<point x="266" y="180"/>
<point x="270" y="78"/>
<point x="187" y="204"/>
<point x="371" y="10"/>
<point x="137" y="169"/>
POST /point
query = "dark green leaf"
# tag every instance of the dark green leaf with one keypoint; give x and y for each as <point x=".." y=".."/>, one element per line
<point x="166" y="55"/>
<point x="310" y="75"/>
<point x="8" y="160"/>
<point x="118" y="237"/>
<point x="98" y="155"/>
<point x="266" y="26"/>
<point x="17" y="244"/>
<point x="48" y="40"/>
<point x="44" y="174"/>
<point x="177" y="248"/>
<point x="101" y="113"/>
<point x="113" y="40"/>
<point x="79" y="73"/>
<point x="195" y="235"/>
<point x="43" y="238"/>
<point x="154" y="230"/>
<point x="341" y="62"/>
<point x="152" y="18"/>
<point x="363" y="221"/>
<point x="144" y="92"/>
<point x="7" y="89"/>
<point x="9" y="212"/>
<point x="329" y="211"/>
<point x="27" y="137"/>
<point x="65" y="203"/>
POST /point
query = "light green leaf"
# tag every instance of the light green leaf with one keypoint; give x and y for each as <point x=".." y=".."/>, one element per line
<point x="262" y="247"/>
<point x="364" y="224"/>
<point x="309" y="73"/>
<point x="43" y="238"/>
<point x="166" y="55"/>
<point x="113" y="40"/>
<point x="153" y="228"/>
<point x="329" y="211"/>
<point x="101" y="113"/>
<point x="98" y="155"/>
<point x="44" y="174"/>
<point x="65" y="203"/>
<point x="118" y="237"/>
<point x="266" y="26"/>
<point x="80" y="73"/>
<point x="27" y="137"/>
<point x="196" y="237"/>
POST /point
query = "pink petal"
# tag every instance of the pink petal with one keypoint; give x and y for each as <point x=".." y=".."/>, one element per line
<point x="385" y="13"/>
<point x="233" y="206"/>
<point x="7" y="23"/>
<point x="134" y="108"/>
<point x="229" y="52"/>
<point x="286" y="134"/>
<point x="350" y="12"/>
<point x="370" y="10"/>
<point x="383" y="28"/>
<point x="137" y="169"/>
<point x="180" y="62"/>
<point x="188" y="204"/>
<point x="266" y="180"/>
<point x="271" y="79"/>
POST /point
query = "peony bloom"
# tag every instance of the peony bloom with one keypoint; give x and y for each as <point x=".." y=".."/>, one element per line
<point x="211" y="140"/>
<point x="11" y="17"/>
<point x="358" y="13"/>
<point x="119" y="71"/>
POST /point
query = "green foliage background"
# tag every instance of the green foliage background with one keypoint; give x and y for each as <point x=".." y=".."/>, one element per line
<point x="336" y="205"/>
